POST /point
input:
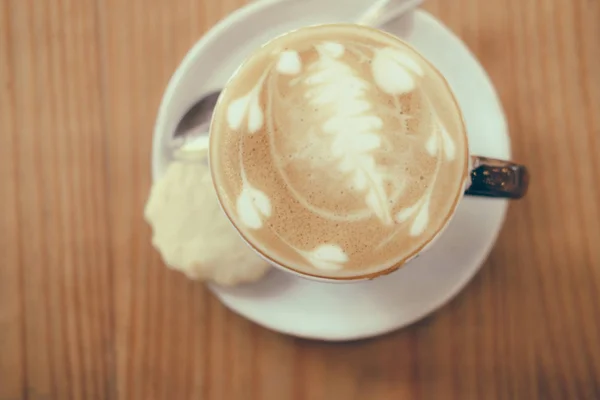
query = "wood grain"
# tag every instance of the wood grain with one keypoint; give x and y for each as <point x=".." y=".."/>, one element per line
<point x="88" y="311"/>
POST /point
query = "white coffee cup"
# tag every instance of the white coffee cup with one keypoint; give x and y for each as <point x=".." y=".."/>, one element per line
<point x="488" y="177"/>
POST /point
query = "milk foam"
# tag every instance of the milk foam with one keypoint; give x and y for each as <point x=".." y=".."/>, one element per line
<point x="334" y="113"/>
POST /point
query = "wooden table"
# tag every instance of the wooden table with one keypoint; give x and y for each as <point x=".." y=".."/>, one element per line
<point x="88" y="311"/>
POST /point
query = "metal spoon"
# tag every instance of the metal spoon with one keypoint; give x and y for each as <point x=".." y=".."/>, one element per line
<point x="196" y="120"/>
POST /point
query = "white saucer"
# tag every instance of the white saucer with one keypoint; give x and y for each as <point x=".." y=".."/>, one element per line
<point x="349" y="311"/>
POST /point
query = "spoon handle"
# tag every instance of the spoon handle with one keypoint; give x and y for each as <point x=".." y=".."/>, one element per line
<point x="375" y="15"/>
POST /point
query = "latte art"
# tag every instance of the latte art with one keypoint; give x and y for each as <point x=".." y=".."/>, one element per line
<point x="337" y="150"/>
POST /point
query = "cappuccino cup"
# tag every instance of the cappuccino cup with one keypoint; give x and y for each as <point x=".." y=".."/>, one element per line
<point x="339" y="153"/>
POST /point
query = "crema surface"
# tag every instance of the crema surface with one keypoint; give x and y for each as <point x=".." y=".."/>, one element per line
<point x="338" y="151"/>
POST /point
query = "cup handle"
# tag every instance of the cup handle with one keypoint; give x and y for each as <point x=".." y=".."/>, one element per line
<point x="497" y="178"/>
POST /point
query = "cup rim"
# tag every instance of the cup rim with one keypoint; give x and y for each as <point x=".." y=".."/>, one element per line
<point x="416" y="251"/>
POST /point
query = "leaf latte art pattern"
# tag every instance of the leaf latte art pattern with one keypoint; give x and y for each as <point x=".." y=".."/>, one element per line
<point x="327" y="257"/>
<point x="330" y="151"/>
<point x="253" y="206"/>
<point x="353" y="128"/>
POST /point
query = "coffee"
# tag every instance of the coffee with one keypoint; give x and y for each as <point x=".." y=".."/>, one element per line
<point x="338" y="151"/>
